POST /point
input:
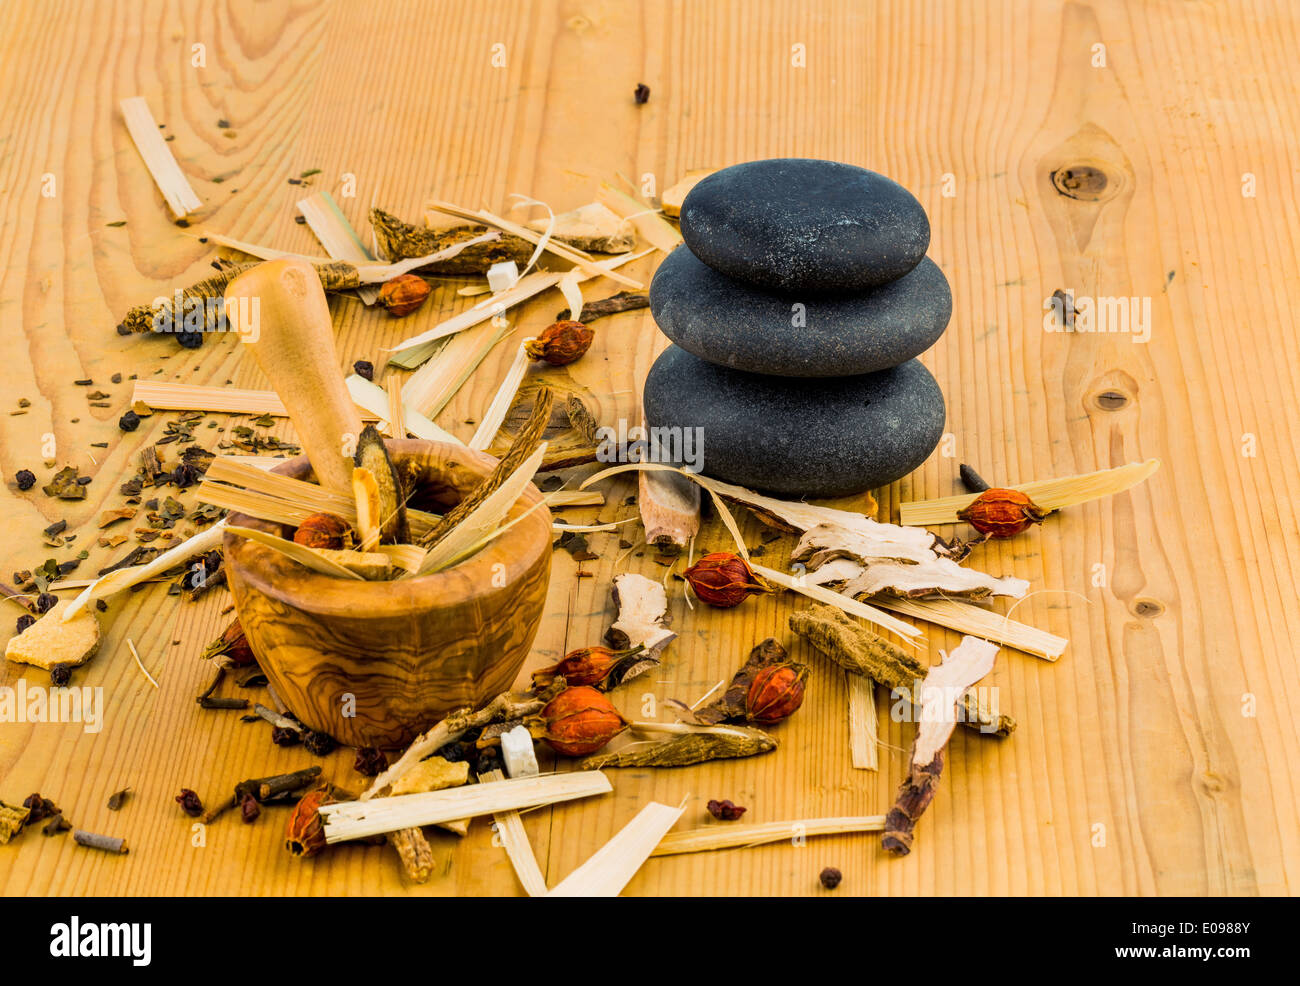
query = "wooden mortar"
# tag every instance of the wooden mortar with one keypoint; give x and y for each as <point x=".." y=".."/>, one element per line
<point x="376" y="663"/>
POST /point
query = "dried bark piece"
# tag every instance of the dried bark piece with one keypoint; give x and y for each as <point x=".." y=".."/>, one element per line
<point x="53" y="640"/>
<point x="372" y="455"/>
<point x="434" y="774"/>
<point x="696" y="746"/>
<point x="593" y="227"/>
<point x="624" y="301"/>
<point x="862" y="652"/>
<point x="941" y="577"/>
<point x="414" y="852"/>
<point x="570" y="433"/>
<point x="643" y="617"/>
<point x="670" y="510"/>
<point x="402" y="240"/>
<point x="967" y="663"/>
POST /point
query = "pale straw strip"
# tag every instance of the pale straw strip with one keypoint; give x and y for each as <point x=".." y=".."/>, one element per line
<point x="139" y="663"/>
<point x="1050" y="494"/>
<point x="864" y="729"/>
<point x="965" y="618"/>
<point x="340" y="240"/>
<point x="431" y="388"/>
<point x="649" y="224"/>
<point x="613" y="865"/>
<point x="361" y="819"/>
<point x="373" y="400"/>
<point x="396" y="412"/>
<point x="167" y="175"/>
<point x="851" y="606"/>
<point x="514" y="840"/>
<point x="743" y="836"/>
<point x="505" y="396"/>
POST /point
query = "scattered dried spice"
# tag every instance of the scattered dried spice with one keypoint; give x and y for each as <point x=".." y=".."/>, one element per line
<point x="25" y="479"/>
<point x="580" y="721"/>
<point x="725" y="811"/>
<point x="830" y="877"/>
<point x="560" y="343"/>
<point x="599" y="667"/>
<point x="403" y="294"/>
<point x="364" y="369"/>
<point x="641" y="94"/>
<point x="692" y="747"/>
<point x="323" y="530"/>
<point x="1002" y="513"/>
<point x="249" y="808"/>
<point x="56" y="825"/>
<point x="190" y="803"/>
<point x="12" y="820"/>
<point x="60" y="675"/>
<point x="64" y="485"/>
<point x="118" y="799"/>
<point x="285" y="736"/>
<point x="46" y="602"/>
<point x="24" y="622"/>
<point x="401" y="240"/>
<point x="624" y="301"/>
<point x="129" y="421"/>
<point x="370" y="760"/>
<point x="724" y="579"/>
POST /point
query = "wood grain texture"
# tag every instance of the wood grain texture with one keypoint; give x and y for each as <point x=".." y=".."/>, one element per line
<point x="1160" y="755"/>
<point x="378" y="663"/>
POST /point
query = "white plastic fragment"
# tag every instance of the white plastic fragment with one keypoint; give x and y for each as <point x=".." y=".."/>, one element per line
<point x="502" y="276"/>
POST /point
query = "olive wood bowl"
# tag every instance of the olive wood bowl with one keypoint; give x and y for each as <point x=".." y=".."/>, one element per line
<point x="376" y="663"/>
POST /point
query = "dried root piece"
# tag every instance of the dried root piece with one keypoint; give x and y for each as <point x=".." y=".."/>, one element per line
<point x="390" y="520"/>
<point x="53" y="640"/>
<point x="693" y="744"/>
<point x="670" y="510"/>
<point x="642" y="615"/>
<point x="402" y="241"/>
<point x="858" y="650"/>
<point x="414" y="852"/>
<point x="369" y="507"/>
<point x="968" y="662"/>
<point x="624" y="301"/>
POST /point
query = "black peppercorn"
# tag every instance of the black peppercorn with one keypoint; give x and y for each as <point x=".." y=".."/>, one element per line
<point x="190" y="340"/>
<point x="60" y="675"/>
<point x="189" y="802"/>
<point x="364" y="368"/>
<point x="321" y="744"/>
<point x="45" y="602"/>
<point x="831" y="877"/>
<point x="25" y="479"/>
<point x="25" y="621"/>
<point x="489" y="759"/>
<point x="129" y="421"/>
<point x="370" y="761"/>
<point x="248" y="807"/>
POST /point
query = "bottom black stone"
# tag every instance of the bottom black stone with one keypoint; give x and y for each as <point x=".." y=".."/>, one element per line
<point x="798" y="437"/>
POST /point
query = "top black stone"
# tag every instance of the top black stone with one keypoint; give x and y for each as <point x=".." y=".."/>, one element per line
<point x="799" y="224"/>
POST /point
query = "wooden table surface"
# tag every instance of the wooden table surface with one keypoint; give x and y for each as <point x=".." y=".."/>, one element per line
<point x="1156" y="757"/>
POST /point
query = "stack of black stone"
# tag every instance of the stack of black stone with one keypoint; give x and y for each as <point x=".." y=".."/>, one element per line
<point x="798" y="305"/>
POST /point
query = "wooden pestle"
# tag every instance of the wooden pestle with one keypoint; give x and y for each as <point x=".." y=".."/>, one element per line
<point x="292" y="338"/>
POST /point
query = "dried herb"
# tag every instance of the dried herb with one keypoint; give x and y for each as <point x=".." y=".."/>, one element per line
<point x="856" y="649"/>
<point x="285" y="736"/>
<point x="25" y="479"/>
<point x="725" y="811"/>
<point x="232" y="647"/>
<point x="370" y="761"/>
<point x="830" y="877"/>
<point x="599" y="667"/>
<point x="39" y="808"/>
<point x="624" y="301"/>
<point x="12" y="820"/>
<point x="24" y="622"/>
<point x="130" y="421"/>
<point x="364" y="369"/>
<point x="403" y="294"/>
<point x="249" y="808"/>
<point x="118" y="799"/>
<point x="724" y="579"/>
<point x="1002" y="513"/>
<point x="695" y="746"/>
<point x="400" y="241"/>
<point x="305" y="834"/>
<point x="64" y="485"/>
<point x="56" y="825"/>
<point x="561" y="343"/>
<point x="60" y="675"/>
<point x="323" y="530"/>
<point x="279" y="786"/>
<point x="767" y="684"/>
<point x="190" y="803"/>
<point x="580" y="721"/>
<point x="318" y="743"/>
<point x="372" y="455"/>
